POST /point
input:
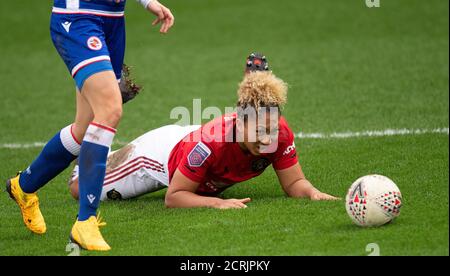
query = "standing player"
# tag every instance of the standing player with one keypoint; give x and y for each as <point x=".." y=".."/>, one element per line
<point x="89" y="35"/>
<point x="197" y="163"/>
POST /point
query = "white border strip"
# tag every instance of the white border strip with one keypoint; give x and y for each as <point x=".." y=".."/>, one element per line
<point x="100" y="135"/>
<point x="22" y="146"/>
<point x="87" y="11"/>
<point x="371" y="133"/>
<point x="89" y="61"/>
<point x="300" y="135"/>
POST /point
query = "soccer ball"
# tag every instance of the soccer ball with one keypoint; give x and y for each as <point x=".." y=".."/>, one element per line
<point x="373" y="200"/>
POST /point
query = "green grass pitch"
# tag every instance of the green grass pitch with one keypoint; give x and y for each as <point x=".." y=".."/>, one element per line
<point x="350" y="68"/>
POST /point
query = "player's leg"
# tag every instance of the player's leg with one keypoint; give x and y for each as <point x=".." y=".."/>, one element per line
<point x="131" y="185"/>
<point x="83" y="117"/>
<point x="59" y="152"/>
<point x="139" y="167"/>
<point x="142" y="166"/>
<point x="81" y="42"/>
<point x="55" y="157"/>
<point x="101" y="92"/>
<point x="131" y="181"/>
<point x="117" y="160"/>
<point x="125" y="181"/>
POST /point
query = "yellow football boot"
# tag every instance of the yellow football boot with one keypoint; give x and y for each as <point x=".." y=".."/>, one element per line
<point x="29" y="206"/>
<point x="87" y="234"/>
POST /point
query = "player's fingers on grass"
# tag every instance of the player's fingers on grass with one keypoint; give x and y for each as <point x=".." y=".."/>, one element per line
<point x="245" y="200"/>
<point x="328" y="197"/>
<point x="240" y="205"/>
<point x="318" y="197"/>
<point x="232" y="205"/>
<point x="315" y="197"/>
<point x="225" y="206"/>
<point x="236" y="203"/>
<point x="335" y="198"/>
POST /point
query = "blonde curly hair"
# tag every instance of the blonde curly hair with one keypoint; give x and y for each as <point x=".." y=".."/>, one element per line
<point x="262" y="89"/>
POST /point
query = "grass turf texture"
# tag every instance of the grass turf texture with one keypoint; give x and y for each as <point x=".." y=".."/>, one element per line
<point x="350" y="68"/>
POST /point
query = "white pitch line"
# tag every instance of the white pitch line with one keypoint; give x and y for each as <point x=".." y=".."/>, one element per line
<point x="22" y="146"/>
<point x="301" y="135"/>
<point x="371" y="133"/>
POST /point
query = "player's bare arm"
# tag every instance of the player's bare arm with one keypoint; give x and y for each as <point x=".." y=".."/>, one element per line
<point x="295" y="184"/>
<point x="181" y="194"/>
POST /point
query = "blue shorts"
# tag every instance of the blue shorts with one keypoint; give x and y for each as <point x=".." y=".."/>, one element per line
<point x="89" y="44"/>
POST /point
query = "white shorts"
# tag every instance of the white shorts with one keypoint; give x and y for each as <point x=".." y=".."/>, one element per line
<point x="142" y="166"/>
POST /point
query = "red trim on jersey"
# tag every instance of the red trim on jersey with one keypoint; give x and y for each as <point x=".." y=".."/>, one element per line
<point x="128" y="163"/>
<point x="73" y="136"/>
<point x="116" y="173"/>
<point x="113" y="130"/>
<point x="130" y="172"/>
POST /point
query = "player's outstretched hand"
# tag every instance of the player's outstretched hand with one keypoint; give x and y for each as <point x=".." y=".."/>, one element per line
<point x="165" y="16"/>
<point x="233" y="203"/>
<point x="323" y="196"/>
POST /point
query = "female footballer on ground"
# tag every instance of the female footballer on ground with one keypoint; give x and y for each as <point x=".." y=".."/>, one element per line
<point x="197" y="163"/>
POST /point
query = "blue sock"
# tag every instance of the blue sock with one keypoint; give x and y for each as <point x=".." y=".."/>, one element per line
<point x="55" y="157"/>
<point x="92" y="167"/>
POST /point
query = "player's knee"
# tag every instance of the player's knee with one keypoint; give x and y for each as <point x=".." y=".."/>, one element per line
<point x="110" y="113"/>
<point x="104" y="97"/>
<point x="78" y="130"/>
<point x="114" y="114"/>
